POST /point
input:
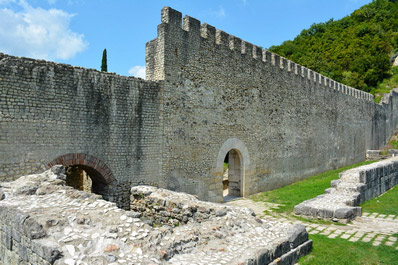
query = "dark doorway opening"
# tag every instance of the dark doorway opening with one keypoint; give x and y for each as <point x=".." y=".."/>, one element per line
<point x="86" y="179"/>
<point x="232" y="177"/>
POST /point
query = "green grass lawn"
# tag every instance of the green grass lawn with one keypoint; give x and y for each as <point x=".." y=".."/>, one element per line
<point x="386" y="203"/>
<point x="291" y="195"/>
<point x="339" y="251"/>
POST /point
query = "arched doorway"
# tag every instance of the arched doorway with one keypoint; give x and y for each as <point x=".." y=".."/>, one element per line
<point x="85" y="172"/>
<point x="232" y="177"/>
<point x="234" y="156"/>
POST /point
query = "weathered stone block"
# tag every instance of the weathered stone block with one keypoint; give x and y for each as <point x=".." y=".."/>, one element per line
<point x="334" y="183"/>
<point x="2" y="195"/>
<point x="289" y="258"/>
<point x="329" y="190"/>
<point x="46" y="249"/>
<point x="298" y="235"/>
<point x="15" y="235"/>
<point x="281" y="247"/>
<point x="344" y="213"/>
<point x="325" y="213"/>
<point x="32" y="229"/>
<point x="264" y="256"/>
<point x="22" y="252"/>
<point x="6" y="238"/>
<point x="305" y="248"/>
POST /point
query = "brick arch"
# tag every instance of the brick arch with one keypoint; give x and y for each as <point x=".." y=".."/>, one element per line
<point x="97" y="169"/>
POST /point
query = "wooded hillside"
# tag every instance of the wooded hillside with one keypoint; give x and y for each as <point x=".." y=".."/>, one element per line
<point x="355" y="50"/>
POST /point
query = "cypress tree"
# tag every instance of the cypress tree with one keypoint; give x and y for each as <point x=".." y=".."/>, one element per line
<point x="104" y="65"/>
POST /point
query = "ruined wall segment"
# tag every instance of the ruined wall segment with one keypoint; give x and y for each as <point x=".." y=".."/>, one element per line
<point x="46" y="222"/>
<point x="49" y="110"/>
<point x="294" y="122"/>
<point x="385" y="120"/>
<point x="354" y="187"/>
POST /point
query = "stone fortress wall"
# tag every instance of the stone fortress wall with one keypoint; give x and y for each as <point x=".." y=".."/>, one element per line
<point x="286" y="121"/>
<point x="206" y="93"/>
<point x="58" y="114"/>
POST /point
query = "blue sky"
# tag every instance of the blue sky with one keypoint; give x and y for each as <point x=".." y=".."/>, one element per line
<point x="76" y="31"/>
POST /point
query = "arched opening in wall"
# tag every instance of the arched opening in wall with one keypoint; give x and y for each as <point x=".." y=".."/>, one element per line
<point x="86" y="173"/>
<point x="85" y="179"/>
<point x="78" y="178"/>
<point x="232" y="177"/>
<point x="234" y="156"/>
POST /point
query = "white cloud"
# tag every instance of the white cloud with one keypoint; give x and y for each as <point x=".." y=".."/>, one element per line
<point x="6" y="2"/>
<point x="218" y="13"/>
<point x="39" y="33"/>
<point x="221" y="12"/>
<point x="137" y="71"/>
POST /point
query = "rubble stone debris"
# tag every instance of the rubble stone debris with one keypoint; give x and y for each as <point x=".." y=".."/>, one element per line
<point x="43" y="221"/>
<point x="341" y="201"/>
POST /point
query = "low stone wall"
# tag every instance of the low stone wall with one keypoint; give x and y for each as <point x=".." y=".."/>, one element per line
<point x="235" y="231"/>
<point x="159" y="207"/>
<point x="20" y="240"/>
<point x="341" y="201"/>
<point x="381" y="154"/>
<point x="43" y="221"/>
<point x="21" y="234"/>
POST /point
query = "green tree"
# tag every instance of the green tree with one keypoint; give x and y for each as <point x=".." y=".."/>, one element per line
<point x="354" y="50"/>
<point x="104" y="65"/>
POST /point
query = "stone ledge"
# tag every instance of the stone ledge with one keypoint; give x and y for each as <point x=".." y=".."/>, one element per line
<point x="341" y="201"/>
<point x="381" y="154"/>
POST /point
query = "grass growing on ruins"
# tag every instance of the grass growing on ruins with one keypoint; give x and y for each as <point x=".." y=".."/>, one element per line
<point x="387" y="84"/>
<point x="340" y="251"/>
<point x="386" y="203"/>
<point x="392" y="143"/>
<point x="291" y="195"/>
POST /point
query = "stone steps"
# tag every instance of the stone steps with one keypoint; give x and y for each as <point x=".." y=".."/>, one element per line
<point x="354" y="186"/>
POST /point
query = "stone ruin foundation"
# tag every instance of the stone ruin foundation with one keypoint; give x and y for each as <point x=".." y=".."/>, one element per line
<point x="341" y="202"/>
<point x="381" y="154"/>
<point x="43" y="221"/>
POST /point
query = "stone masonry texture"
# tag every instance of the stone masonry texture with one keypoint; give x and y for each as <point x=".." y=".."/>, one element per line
<point x="355" y="186"/>
<point x="286" y="121"/>
<point x="58" y="114"/>
<point x="206" y="93"/>
<point x="43" y="221"/>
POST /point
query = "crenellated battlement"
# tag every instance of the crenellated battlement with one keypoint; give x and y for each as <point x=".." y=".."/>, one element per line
<point x="180" y="38"/>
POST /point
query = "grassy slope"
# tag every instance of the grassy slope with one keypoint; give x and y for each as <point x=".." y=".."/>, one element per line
<point x="384" y="204"/>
